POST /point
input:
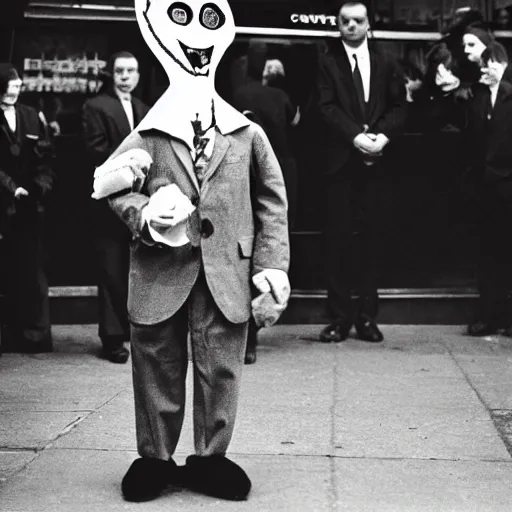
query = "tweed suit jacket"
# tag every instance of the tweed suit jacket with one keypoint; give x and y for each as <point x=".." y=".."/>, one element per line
<point x="248" y="217"/>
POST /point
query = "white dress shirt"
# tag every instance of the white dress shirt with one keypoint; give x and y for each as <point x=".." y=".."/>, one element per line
<point x="126" y="102"/>
<point x="363" y="60"/>
<point x="10" y="116"/>
<point x="494" y="92"/>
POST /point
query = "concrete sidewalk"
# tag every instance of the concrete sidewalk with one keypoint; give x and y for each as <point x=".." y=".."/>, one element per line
<point x="421" y="422"/>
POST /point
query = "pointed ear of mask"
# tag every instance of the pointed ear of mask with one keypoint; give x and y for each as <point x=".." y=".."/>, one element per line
<point x="188" y="38"/>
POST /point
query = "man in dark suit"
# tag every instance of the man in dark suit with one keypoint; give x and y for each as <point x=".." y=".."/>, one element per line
<point x="107" y="120"/>
<point x="362" y="104"/>
<point x="25" y="180"/>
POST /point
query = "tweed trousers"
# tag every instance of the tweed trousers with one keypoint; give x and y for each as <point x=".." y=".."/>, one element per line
<point x="160" y="362"/>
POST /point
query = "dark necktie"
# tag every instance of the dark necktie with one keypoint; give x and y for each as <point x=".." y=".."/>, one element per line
<point x="358" y="83"/>
<point x="200" y="142"/>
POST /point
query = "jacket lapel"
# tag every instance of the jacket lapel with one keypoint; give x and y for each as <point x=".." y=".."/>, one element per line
<point x="14" y="138"/>
<point x="120" y="115"/>
<point x="347" y="94"/>
<point x="374" y="82"/>
<point x="219" y="150"/>
<point x="138" y="111"/>
<point x="185" y="158"/>
<point x="504" y="94"/>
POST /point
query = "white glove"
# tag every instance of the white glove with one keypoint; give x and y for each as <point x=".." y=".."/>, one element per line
<point x="275" y="281"/>
<point x="119" y="173"/>
<point x="166" y="215"/>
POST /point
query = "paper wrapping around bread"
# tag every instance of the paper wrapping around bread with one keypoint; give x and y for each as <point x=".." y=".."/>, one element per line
<point x="121" y="173"/>
<point x="171" y="195"/>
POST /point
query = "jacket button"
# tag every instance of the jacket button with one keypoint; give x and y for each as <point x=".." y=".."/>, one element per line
<point x="206" y="228"/>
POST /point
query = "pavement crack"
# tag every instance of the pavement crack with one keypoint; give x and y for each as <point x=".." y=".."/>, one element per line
<point x="66" y="430"/>
<point x="334" y="495"/>
<point x="496" y="419"/>
<point x="106" y="402"/>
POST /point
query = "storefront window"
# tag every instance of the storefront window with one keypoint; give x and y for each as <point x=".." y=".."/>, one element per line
<point x="428" y="214"/>
<point x="502" y="14"/>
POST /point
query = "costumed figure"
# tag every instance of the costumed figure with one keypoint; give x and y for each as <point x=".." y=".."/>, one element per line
<point x="209" y="224"/>
<point x="26" y="178"/>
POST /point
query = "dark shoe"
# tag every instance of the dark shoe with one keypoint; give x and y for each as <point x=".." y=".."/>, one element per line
<point x="217" y="476"/>
<point x="250" y="355"/>
<point x="335" y="332"/>
<point x="37" y="347"/>
<point x="117" y="355"/>
<point x="27" y="347"/>
<point x="147" y="478"/>
<point x="252" y="342"/>
<point x="367" y="330"/>
<point x="481" y="329"/>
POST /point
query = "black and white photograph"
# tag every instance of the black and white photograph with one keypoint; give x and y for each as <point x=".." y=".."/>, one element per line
<point x="254" y="255"/>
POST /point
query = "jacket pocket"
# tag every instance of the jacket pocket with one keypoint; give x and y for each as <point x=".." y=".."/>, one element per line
<point x="245" y="246"/>
<point x="32" y="137"/>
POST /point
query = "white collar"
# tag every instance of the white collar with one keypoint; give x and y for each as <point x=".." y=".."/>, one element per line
<point x="123" y="96"/>
<point x="7" y="108"/>
<point x="361" y="51"/>
<point x="162" y="117"/>
<point x="494" y="87"/>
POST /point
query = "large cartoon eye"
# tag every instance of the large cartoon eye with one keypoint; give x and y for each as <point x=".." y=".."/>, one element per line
<point x="211" y="17"/>
<point x="180" y="13"/>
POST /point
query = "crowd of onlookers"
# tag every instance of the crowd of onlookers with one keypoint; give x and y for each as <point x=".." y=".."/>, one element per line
<point x="464" y="82"/>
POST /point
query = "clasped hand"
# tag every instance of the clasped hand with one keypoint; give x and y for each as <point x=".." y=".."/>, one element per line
<point x="20" y="192"/>
<point x="167" y="207"/>
<point x="370" y="143"/>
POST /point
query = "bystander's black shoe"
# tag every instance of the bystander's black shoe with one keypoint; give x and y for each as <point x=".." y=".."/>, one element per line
<point x="38" y="347"/>
<point x="117" y="355"/>
<point x="367" y="330"/>
<point x="335" y="332"/>
<point x="252" y="342"/>
<point x="250" y="355"/>
<point x="481" y="329"/>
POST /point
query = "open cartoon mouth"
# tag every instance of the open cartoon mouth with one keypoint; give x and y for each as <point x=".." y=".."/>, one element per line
<point x="199" y="58"/>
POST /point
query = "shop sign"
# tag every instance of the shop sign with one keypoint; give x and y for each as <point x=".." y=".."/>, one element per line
<point x="314" y="20"/>
<point x="70" y="75"/>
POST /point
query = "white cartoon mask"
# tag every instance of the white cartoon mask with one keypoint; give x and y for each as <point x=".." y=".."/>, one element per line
<point x="188" y="38"/>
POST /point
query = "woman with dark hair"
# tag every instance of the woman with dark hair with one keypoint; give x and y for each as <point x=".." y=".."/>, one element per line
<point x="484" y="113"/>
